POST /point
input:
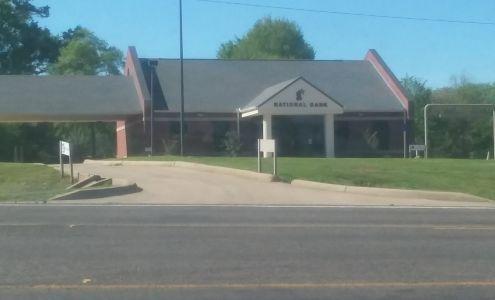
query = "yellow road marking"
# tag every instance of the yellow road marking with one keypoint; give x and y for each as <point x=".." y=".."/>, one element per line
<point x="467" y="227"/>
<point x="324" y="285"/>
<point x="296" y="225"/>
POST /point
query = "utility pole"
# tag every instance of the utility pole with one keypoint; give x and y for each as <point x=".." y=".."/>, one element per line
<point x="404" y="133"/>
<point x="93" y="140"/>
<point x="181" y="84"/>
<point x="152" y="64"/>
<point x="426" y="130"/>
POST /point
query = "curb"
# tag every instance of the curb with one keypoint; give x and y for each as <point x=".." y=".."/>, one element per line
<point x="83" y="182"/>
<point x="116" y="163"/>
<point x="188" y="165"/>
<point x="430" y="195"/>
<point x="119" y="187"/>
<point x="98" y="183"/>
<point x="122" y="187"/>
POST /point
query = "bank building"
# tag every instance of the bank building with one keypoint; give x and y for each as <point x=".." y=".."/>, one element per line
<point x="319" y="108"/>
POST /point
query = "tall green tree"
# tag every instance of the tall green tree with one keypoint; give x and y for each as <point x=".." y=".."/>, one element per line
<point x="269" y="39"/>
<point x="459" y="132"/>
<point x="469" y="93"/>
<point x="83" y="53"/>
<point x="420" y="95"/>
<point x="25" y="47"/>
<point x="462" y="131"/>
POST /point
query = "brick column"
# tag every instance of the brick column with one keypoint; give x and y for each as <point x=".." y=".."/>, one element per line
<point x="130" y="137"/>
<point x="121" y="135"/>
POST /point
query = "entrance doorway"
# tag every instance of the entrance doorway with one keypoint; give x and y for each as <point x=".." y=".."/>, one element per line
<point x="299" y="135"/>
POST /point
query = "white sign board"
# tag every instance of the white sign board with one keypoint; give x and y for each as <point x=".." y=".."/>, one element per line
<point x="267" y="145"/>
<point x="416" y="147"/>
<point x="64" y="148"/>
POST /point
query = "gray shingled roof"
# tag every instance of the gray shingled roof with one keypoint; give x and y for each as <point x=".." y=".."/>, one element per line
<point x="268" y="93"/>
<point x="225" y="85"/>
<point x="54" y="98"/>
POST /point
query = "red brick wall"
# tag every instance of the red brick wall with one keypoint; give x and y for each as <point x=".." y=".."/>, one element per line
<point x="130" y="137"/>
<point x="131" y="133"/>
<point x="121" y="139"/>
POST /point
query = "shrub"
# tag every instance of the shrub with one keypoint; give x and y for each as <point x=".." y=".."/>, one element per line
<point x="170" y="146"/>
<point x="232" y="143"/>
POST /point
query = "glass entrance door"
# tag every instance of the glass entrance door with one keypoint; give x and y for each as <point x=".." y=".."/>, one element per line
<point x="299" y="135"/>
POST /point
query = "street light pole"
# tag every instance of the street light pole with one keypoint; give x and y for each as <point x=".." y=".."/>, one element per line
<point x="152" y="64"/>
<point x="181" y="84"/>
<point x="404" y="133"/>
<point x="238" y="123"/>
<point x="426" y="130"/>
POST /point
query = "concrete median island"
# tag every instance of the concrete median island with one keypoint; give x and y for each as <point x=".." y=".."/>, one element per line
<point x="93" y="186"/>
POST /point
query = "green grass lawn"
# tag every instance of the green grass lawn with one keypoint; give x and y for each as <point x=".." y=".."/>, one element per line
<point x="23" y="182"/>
<point x="475" y="177"/>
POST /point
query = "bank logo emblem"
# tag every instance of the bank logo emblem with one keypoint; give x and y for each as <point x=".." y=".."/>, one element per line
<point x="299" y="94"/>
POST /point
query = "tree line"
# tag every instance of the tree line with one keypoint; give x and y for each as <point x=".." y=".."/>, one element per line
<point x="453" y="132"/>
<point x="29" y="49"/>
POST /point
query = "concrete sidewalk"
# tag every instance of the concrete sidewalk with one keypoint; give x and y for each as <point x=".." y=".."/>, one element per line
<point x="187" y="186"/>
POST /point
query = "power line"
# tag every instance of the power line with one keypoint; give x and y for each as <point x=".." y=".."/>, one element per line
<point x="346" y="13"/>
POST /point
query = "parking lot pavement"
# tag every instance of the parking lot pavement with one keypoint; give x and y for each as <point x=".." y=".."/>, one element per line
<point x="175" y="185"/>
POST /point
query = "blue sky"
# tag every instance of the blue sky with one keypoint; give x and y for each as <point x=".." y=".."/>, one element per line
<point x="431" y="51"/>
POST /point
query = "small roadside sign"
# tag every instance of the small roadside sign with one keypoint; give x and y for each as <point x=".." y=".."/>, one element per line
<point x="267" y="145"/>
<point x="66" y="150"/>
<point x="416" y="148"/>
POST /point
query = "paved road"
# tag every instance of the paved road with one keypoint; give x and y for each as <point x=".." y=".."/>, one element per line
<point x="159" y="252"/>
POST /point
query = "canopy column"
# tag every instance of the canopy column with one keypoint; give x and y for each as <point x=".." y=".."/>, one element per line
<point x="329" y="135"/>
<point x="267" y="131"/>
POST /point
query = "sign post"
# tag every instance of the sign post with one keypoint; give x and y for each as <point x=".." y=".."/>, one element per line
<point x="61" y="159"/>
<point x="65" y="149"/>
<point x="267" y="145"/>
